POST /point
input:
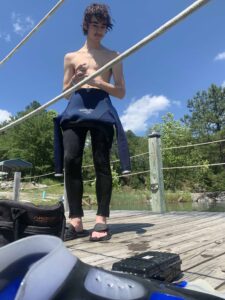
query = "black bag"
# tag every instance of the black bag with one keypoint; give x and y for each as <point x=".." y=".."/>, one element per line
<point x="18" y="220"/>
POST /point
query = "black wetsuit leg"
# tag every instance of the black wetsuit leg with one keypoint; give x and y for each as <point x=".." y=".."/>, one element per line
<point x="73" y="143"/>
<point x="101" y="145"/>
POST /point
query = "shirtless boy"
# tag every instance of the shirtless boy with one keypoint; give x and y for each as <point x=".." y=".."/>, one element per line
<point x="78" y="65"/>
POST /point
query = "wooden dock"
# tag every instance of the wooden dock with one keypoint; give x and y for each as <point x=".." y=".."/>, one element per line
<point x="198" y="237"/>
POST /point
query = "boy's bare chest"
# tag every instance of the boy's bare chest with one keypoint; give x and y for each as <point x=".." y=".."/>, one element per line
<point x="93" y="62"/>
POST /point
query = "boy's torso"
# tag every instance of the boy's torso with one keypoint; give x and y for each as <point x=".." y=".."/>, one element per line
<point x="92" y="60"/>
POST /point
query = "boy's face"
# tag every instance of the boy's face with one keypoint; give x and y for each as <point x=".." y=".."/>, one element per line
<point x="96" y="29"/>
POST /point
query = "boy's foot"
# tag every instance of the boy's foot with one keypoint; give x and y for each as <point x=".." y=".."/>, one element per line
<point x="77" y="224"/>
<point x="75" y="230"/>
<point x="100" y="231"/>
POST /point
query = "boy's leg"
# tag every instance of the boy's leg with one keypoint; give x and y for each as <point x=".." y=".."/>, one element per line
<point x="101" y="145"/>
<point x="73" y="142"/>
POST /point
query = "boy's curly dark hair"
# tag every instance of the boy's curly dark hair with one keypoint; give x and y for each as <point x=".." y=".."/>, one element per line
<point x="100" y="12"/>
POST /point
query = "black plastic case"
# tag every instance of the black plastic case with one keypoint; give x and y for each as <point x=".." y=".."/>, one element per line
<point x="162" y="266"/>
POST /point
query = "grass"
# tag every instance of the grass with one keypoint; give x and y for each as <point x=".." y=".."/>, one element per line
<point x="46" y="191"/>
<point x="177" y="197"/>
<point x="128" y="198"/>
<point x="50" y="191"/>
<point x="124" y="198"/>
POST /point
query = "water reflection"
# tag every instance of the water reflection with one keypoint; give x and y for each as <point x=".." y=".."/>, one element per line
<point x="180" y="206"/>
<point x="197" y="206"/>
<point x="128" y="203"/>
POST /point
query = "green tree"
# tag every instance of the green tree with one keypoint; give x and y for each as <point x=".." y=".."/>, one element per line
<point x="175" y="134"/>
<point x="207" y="110"/>
<point x="139" y="163"/>
<point x="32" y="140"/>
<point x="206" y="121"/>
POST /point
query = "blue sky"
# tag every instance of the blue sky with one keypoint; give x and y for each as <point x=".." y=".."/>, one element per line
<point x="160" y="77"/>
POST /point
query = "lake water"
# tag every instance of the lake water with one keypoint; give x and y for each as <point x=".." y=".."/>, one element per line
<point x="183" y="206"/>
<point x="214" y="207"/>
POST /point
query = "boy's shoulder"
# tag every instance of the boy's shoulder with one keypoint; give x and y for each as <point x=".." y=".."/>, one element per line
<point x="70" y="55"/>
<point x="105" y="52"/>
<point x="110" y="52"/>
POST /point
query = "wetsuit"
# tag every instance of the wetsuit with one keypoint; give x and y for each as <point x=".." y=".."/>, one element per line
<point x="88" y="110"/>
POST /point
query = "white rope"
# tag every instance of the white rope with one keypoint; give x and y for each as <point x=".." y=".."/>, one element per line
<point x="91" y="180"/>
<point x="117" y="160"/>
<point x="37" y="176"/>
<point x="132" y="174"/>
<point x="31" y="32"/>
<point x="131" y="157"/>
<point x="125" y="175"/>
<point x="49" y="186"/>
<point x="87" y="166"/>
<point x="193" y="145"/>
<point x="190" y="9"/>
<point x="140" y="154"/>
<point x="136" y="173"/>
<point x="195" y="166"/>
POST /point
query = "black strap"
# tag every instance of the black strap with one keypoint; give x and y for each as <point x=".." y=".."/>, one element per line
<point x="16" y="215"/>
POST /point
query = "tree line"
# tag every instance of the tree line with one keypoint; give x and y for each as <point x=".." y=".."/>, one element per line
<point x="32" y="141"/>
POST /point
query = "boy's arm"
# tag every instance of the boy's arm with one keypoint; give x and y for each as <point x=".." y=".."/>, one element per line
<point x="119" y="83"/>
<point x="68" y="73"/>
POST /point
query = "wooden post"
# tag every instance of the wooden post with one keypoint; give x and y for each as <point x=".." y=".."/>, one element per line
<point x="156" y="173"/>
<point x="16" y="186"/>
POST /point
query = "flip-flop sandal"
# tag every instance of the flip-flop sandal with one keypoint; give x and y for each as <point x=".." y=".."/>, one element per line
<point x="100" y="227"/>
<point x="71" y="233"/>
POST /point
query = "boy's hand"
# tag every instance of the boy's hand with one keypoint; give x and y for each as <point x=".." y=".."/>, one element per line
<point x="97" y="82"/>
<point x="80" y="74"/>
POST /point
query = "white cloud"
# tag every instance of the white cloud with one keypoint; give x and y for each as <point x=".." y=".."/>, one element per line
<point x="223" y="84"/>
<point x="137" y="114"/>
<point x="4" y="115"/>
<point x="220" y="56"/>
<point x="21" y="24"/>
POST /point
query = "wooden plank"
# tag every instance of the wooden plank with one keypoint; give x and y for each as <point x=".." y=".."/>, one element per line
<point x="197" y="237"/>
<point x="211" y="270"/>
<point x="114" y="244"/>
<point x="158" y="237"/>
